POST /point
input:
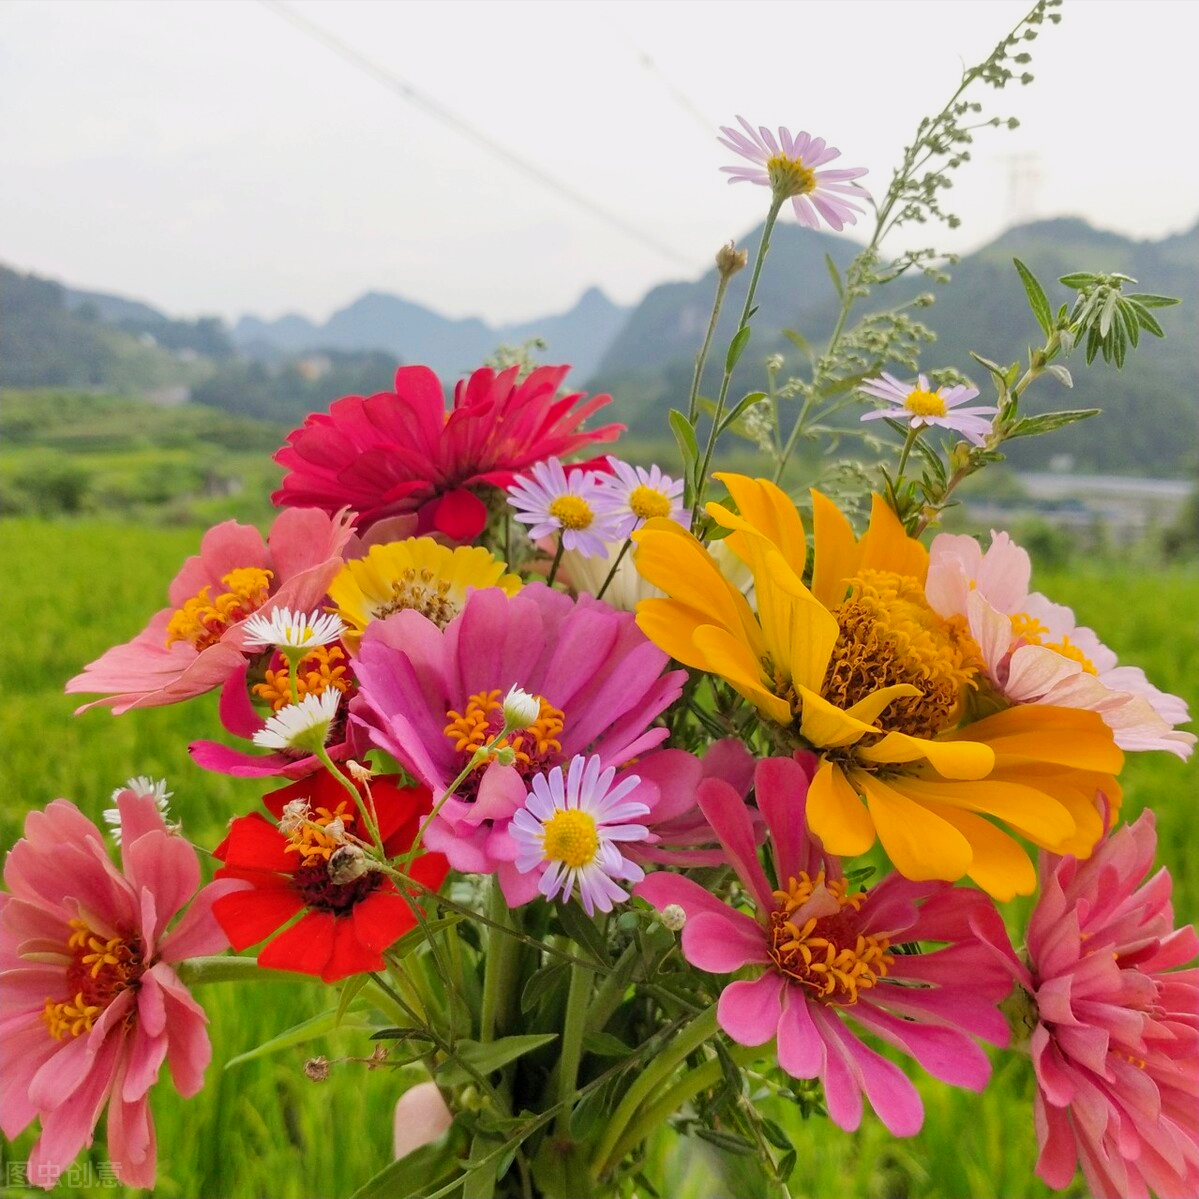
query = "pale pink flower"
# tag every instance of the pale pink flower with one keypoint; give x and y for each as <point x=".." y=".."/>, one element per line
<point x="1034" y="651"/>
<point x="91" y="1004"/>
<point x="920" y="405"/>
<point x="788" y="167"/>
<point x="570" y="505"/>
<point x="635" y="495"/>
<point x="197" y="642"/>
<point x="825" y="958"/>
<point x="1116" y="1043"/>
<point x="421" y="1117"/>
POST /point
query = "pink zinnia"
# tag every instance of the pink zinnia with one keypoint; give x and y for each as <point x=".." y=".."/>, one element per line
<point x="1034" y="651"/>
<point x="431" y="697"/>
<point x="92" y="1006"/>
<point x="826" y="958"/>
<point x="919" y="404"/>
<point x="198" y="642"/>
<point x="1116" y="1044"/>
<point x="788" y="167"/>
<point x="402" y="452"/>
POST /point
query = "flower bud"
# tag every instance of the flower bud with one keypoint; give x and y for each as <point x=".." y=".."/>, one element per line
<point x="317" y="1068"/>
<point x="520" y="709"/>
<point x="730" y="260"/>
<point x="346" y="863"/>
<point x="673" y="917"/>
<point x="505" y="755"/>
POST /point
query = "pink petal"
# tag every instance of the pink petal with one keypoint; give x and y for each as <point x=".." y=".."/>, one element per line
<point x="749" y="1011"/>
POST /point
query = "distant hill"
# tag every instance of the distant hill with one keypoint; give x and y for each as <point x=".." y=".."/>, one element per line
<point x="413" y="333"/>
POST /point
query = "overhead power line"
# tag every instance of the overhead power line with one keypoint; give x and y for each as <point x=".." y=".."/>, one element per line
<point x="439" y="112"/>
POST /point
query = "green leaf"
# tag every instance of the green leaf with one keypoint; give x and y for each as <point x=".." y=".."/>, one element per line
<point x="1108" y="311"/>
<point x="485" y="1056"/>
<point x="1079" y="281"/>
<point x="1128" y="319"/>
<point x="835" y="275"/>
<point x="998" y="371"/>
<point x="1144" y="318"/>
<point x="684" y="434"/>
<point x="306" y="1030"/>
<point x="544" y="987"/>
<point x="407" y="1033"/>
<point x="786" y="1164"/>
<point x="1029" y="426"/>
<point x="604" y="1044"/>
<point x="729" y="1142"/>
<point x="417" y="936"/>
<point x="1037" y="300"/>
<point x="746" y="401"/>
<point x="736" y="349"/>
<point x="580" y="928"/>
<point x="353" y="985"/>
<point x="1148" y="300"/>
<point x="420" y="1172"/>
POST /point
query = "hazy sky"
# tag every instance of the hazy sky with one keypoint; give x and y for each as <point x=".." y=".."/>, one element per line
<point x="211" y="157"/>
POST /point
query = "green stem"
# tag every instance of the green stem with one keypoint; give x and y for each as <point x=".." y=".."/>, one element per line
<point x="624" y="549"/>
<point x="701" y="481"/>
<point x="500" y="977"/>
<point x="557" y="561"/>
<point x="908" y="442"/>
<point x="701" y="358"/>
<point x="573" y="1027"/>
<point x="220" y="968"/>
<point x="689" y="1039"/>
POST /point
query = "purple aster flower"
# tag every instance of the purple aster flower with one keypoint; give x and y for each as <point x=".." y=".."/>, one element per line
<point x="788" y="167"/>
<point x="920" y="405"/>
<point x="570" y="829"/>
<point x="634" y="495"/>
<point x="551" y="501"/>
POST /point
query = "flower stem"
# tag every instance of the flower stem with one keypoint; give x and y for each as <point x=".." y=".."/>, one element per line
<point x="501" y="976"/>
<point x="624" y="549"/>
<point x="557" y="560"/>
<point x="573" y="1027"/>
<point x="701" y="358"/>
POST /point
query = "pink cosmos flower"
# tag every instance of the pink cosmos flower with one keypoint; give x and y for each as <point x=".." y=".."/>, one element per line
<point x="920" y="405"/>
<point x="402" y="452"/>
<point x="1036" y="654"/>
<point x="198" y="642"/>
<point x="432" y="697"/>
<point x="570" y="505"/>
<point x="788" y="167"/>
<point x="827" y="958"/>
<point x="92" y="1005"/>
<point x="1116" y="1043"/>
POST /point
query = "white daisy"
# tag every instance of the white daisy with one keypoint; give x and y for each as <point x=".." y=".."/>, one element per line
<point x="286" y="629"/>
<point x="303" y="726"/>
<point x="633" y="495"/>
<point x="142" y="785"/>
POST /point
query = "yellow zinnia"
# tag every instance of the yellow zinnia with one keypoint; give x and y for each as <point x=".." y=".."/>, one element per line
<point x="420" y="574"/>
<point x="862" y="670"/>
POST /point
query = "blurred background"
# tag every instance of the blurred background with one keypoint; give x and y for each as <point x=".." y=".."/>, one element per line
<point x="216" y="218"/>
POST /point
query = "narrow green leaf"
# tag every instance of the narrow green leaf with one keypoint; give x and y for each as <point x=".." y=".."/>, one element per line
<point x="746" y="401"/>
<point x="729" y="1142"/>
<point x="1108" y="311"/>
<point x="580" y="928"/>
<point x="1048" y="421"/>
<point x="1037" y="300"/>
<point x="604" y="1044"/>
<point x="736" y="349"/>
<point x="484" y="1057"/>
<point x="420" y="1172"/>
<point x="417" y="936"/>
<point x="684" y="434"/>
<point x="835" y="275"/>
<point x="1145" y="319"/>
<point x="1128" y="319"/>
<point x="1079" y="281"/>
<point x="1149" y="300"/>
<point x="306" y="1030"/>
<point x="352" y="986"/>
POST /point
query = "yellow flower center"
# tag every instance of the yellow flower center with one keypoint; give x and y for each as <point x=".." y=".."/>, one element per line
<point x="202" y="619"/>
<point x="825" y="953"/>
<point x="925" y="403"/>
<point x="319" y="670"/>
<point x="647" y="502"/>
<point x="890" y="635"/>
<point x="420" y="591"/>
<point x="312" y="841"/>
<point x="484" y="717"/>
<point x="572" y="511"/>
<point x="570" y="837"/>
<point x="100" y="969"/>
<point x="789" y="177"/>
<point x="1032" y="631"/>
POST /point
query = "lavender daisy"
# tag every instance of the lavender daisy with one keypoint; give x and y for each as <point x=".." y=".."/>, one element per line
<point x="551" y="501"/>
<point x="920" y="405"/>
<point x="569" y="829"/>
<point x="788" y="167"/>
<point x="633" y="495"/>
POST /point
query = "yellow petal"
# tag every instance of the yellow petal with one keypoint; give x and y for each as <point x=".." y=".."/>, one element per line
<point x="951" y="759"/>
<point x="886" y="545"/>
<point x="1076" y="791"/>
<point x="869" y="709"/>
<point x="825" y="725"/>
<point x="724" y="655"/>
<point x="836" y="556"/>
<point x="769" y="509"/>
<point x="1071" y="737"/>
<point x="671" y="627"/>
<point x="836" y="813"/>
<point x="920" y="844"/>
<point x="1000" y="865"/>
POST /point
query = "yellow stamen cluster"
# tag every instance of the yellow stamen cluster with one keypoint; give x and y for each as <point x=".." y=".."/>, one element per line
<point x="323" y="668"/>
<point x="648" y="502"/>
<point x="789" y="177"/>
<point x="203" y="619"/>
<point x="313" y="842"/>
<point x="101" y="968"/>
<point x="421" y="591"/>
<point x="824" y="953"/>
<point x="483" y="718"/>
<point x="925" y="403"/>
<point x="570" y="838"/>
<point x="890" y="635"/>
<point x="572" y="511"/>
<point x="1032" y="631"/>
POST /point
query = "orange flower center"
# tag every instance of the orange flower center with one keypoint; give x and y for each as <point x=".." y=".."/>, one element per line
<point x="1032" y="632"/>
<point x="648" y="502"/>
<point x="203" y="619"/>
<point x="314" y="840"/>
<point x="534" y="746"/>
<point x="572" y="511"/>
<point x="814" y="939"/>
<point x="101" y="968"/>
<point x="323" y="668"/>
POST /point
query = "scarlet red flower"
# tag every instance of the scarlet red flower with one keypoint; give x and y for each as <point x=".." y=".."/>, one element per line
<point x="402" y="452"/>
<point x="346" y="925"/>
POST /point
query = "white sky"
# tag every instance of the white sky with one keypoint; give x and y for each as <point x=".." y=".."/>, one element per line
<point x="209" y="157"/>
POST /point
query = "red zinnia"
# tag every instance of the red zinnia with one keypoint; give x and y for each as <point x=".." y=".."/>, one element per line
<point x="402" y="452"/>
<point x="346" y="926"/>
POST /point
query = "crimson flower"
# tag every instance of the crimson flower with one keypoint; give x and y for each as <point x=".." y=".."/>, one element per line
<point x="401" y="452"/>
<point x="347" y="919"/>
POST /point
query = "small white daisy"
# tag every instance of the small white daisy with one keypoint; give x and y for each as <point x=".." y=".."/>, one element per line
<point x="303" y="726"/>
<point x="292" y="630"/>
<point x="569" y="829"/>
<point x="142" y="785"/>
<point x="551" y="501"/>
<point x="520" y="709"/>
<point x="633" y="495"/>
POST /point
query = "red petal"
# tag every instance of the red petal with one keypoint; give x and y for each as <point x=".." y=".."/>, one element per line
<point x="382" y="919"/>
<point x="306" y="947"/>
<point x="460" y="515"/>
<point x="349" y="955"/>
<point x="246" y="917"/>
<point x="254" y="843"/>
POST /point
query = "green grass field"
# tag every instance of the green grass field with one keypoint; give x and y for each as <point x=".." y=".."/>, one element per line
<point x="73" y="588"/>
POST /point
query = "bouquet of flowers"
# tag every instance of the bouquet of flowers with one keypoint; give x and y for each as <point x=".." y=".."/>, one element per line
<point x="596" y="786"/>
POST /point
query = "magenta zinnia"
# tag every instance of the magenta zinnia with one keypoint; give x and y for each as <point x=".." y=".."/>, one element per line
<point x="402" y="452"/>
<point x="828" y="955"/>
